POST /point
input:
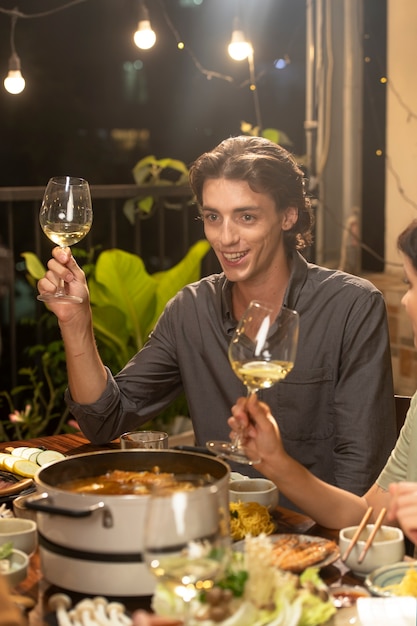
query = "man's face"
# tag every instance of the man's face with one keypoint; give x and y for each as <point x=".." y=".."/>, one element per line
<point x="244" y="229"/>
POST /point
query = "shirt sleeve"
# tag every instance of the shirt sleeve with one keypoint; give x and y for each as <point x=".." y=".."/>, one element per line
<point x="364" y="409"/>
<point x="397" y="467"/>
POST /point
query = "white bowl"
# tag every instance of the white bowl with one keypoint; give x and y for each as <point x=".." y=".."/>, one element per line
<point x="387" y="547"/>
<point x="20" y="509"/>
<point x="17" y="569"/>
<point x="22" y="533"/>
<point x="259" y="490"/>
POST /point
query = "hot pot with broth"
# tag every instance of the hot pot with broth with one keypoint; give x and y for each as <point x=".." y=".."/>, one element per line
<point x="92" y="543"/>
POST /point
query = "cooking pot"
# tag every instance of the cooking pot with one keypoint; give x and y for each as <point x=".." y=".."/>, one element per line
<point x="93" y="543"/>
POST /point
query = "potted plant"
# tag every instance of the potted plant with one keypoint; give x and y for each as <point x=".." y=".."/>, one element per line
<point x="126" y="302"/>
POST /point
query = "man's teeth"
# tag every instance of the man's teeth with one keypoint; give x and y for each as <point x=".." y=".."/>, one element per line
<point x="234" y="256"/>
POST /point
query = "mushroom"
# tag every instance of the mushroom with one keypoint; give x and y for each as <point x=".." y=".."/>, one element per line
<point x="100" y="612"/>
<point x="116" y="611"/>
<point x="74" y="617"/>
<point x="85" y="612"/>
<point x="60" y="603"/>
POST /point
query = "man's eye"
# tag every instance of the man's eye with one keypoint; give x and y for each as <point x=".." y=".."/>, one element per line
<point x="248" y="218"/>
<point x="210" y="217"/>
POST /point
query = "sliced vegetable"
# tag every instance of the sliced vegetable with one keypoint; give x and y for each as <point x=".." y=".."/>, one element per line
<point x="48" y="456"/>
<point x="26" y="454"/>
<point x="25" y="468"/>
<point x="6" y="549"/>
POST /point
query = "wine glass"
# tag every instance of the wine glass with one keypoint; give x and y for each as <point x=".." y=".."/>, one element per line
<point x="187" y="541"/>
<point x="261" y="353"/>
<point x="65" y="216"/>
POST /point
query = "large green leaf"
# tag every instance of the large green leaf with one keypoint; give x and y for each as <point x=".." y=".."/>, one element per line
<point x="111" y="328"/>
<point x="33" y="265"/>
<point x="188" y="270"/>
<point x="132" y="289"/>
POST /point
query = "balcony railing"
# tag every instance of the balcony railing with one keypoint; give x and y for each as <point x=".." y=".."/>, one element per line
<point x="161" y="238"/>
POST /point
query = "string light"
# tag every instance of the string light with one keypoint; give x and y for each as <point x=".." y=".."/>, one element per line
<point x="239" y="48"/>
<point x="144" y="37"/>
<point x="14" y="82"/>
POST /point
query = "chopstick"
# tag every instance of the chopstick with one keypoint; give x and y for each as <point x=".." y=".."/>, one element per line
<point x="371" y="537"/>
<point x="355" y="537"/>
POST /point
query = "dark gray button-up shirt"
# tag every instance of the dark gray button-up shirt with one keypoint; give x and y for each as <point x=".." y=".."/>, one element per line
<point x="335" y="409"/>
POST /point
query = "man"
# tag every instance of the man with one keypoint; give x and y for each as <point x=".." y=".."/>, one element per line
<point x="335" y="409"/>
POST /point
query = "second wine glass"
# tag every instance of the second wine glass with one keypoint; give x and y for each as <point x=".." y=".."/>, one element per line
<point x="187" y="539"/>
<point x="65" y="216"/>
<point x="261" y="353"/>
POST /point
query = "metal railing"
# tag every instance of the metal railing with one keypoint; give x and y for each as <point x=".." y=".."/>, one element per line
<point x="161" y="238"/>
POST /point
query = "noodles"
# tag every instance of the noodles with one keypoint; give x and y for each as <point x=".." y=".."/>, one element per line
<point x="249" y="518"/>
<point x="408" y="585"/>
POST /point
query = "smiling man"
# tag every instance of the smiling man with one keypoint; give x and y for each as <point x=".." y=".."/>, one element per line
<point x="335" y="408"/>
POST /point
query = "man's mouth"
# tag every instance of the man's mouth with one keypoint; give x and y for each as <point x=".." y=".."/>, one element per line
<point x="232" y="257"/>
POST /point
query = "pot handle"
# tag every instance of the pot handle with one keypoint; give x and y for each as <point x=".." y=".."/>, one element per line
<point x="40" y="504"/>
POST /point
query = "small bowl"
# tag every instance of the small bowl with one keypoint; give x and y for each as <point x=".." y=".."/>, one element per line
<point x="259" y="490"/>
<point x="18" y="568"/>
<point x="383" y="577"/>
<point x="22" y="533"/>
<point x="343" y="596"/>
<point x="20" y="509"/>
<point x="387" y="547"/>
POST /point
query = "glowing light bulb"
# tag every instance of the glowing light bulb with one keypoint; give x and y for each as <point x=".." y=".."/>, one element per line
<point x="239" y="48"/>
<point x="14" y="82"/>
<point x="144" y="37"/>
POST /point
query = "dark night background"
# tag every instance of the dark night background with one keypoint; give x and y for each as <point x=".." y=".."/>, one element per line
<point x="82" y="86"/>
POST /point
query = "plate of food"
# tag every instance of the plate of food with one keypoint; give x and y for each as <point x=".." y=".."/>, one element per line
<point x="398" y="579"/>
<point x="295" y="553"/>
<point x="12" y="486"/>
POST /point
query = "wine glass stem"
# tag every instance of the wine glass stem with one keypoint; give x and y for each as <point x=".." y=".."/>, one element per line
<point x="240" y="435"/>
<point x="60" y="290"/>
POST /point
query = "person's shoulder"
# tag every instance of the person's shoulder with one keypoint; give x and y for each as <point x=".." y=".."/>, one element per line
<point x="339" y="278"/>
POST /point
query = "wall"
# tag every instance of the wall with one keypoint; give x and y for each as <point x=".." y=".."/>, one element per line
<point x="401" y="146"/>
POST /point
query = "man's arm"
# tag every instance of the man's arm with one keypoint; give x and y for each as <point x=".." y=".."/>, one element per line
<point x="87" y="376"/>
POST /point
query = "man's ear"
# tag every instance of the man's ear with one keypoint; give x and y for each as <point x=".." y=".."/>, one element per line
<point x="290" y="217"/>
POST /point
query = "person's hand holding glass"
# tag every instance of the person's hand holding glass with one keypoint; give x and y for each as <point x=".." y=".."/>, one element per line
<point x="261" y="353"/>
<point x="65" y="216"/>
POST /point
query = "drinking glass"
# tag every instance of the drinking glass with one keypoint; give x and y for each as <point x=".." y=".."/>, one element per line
<point x="187" y="541"/>
<point x="262" y="352"/>
<point x="149" y="439"/>
<point x="65" y="216"/>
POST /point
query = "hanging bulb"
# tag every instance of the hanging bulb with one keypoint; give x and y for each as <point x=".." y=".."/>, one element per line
<point x="239" y="48"/>
<point x="14" y="82"/>
<point x="144" y="37"/>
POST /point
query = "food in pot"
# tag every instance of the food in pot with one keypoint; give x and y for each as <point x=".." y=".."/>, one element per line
<point x="122" y="482"/>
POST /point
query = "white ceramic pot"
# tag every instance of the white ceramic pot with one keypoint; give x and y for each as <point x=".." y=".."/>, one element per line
<point x="93" y="543"/>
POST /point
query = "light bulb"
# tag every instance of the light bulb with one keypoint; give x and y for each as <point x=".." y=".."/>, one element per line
<point x="14" y="82"/>
<point x="239" y="48"/>
<point x="144" y="37"/>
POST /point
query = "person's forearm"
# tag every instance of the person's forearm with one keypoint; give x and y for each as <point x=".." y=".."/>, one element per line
<point x="87" y="376"/>
<point x="329" y="506"/>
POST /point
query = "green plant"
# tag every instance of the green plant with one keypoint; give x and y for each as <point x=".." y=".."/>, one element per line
<point x="149" y="172"/>
<point x="126" y="302"/>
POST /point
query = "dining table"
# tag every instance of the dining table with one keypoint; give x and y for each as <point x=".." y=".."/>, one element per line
<point x="38" y="590"/>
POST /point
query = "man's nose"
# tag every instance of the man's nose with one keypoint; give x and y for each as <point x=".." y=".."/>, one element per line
<point x="229" y="233"/>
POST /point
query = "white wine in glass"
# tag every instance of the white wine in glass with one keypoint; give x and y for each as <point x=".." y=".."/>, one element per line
<point x="261" y="353"/>
<point x="187" y="543"/>
<point x="65" y="217"/>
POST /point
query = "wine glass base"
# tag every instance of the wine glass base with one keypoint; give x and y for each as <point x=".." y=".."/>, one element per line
<point x="55" y="297"/>
<point x="228" y="451"/>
